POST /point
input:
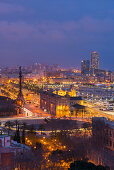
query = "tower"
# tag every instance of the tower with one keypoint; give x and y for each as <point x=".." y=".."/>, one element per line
<point x="94" y="60"/>
<point x="85" y="66"/>
<point x="20" y="98"/>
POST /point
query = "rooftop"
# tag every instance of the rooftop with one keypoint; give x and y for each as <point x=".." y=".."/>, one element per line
<point x="78" y="106"/>
<point x="76" y="98"/>
<point x="110" y="124"/>
<point x="104" y="119"/>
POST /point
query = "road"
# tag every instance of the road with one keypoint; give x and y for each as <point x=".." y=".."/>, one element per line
<point x="98" y="113"/>
<point x="32" y="105"/>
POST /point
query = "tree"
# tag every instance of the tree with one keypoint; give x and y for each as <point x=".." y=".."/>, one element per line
<point x="17" y="135"/>
<point x="46" y="120"/>
<point x="41" y="127"/>
<point x="23" y="136"/>
<point x="83" y="165"/>
<point x="9" y="124"/>
<point x="38" y="146"/>
<point x="23" y="132"/>
<point x="86" y="126"/>
<point x="16" y="123"/>
<point x="32" y="129"/>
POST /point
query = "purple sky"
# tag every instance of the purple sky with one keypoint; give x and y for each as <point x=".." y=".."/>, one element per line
<point x="56" y="31"/>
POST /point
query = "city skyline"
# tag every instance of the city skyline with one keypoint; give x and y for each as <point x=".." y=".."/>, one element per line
<point x="59" y="32"/>
<point x="56" y="84"/>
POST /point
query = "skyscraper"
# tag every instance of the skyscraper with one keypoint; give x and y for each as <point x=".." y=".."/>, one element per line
<point x="94" y="60"/>
<point x="85" y="66"/>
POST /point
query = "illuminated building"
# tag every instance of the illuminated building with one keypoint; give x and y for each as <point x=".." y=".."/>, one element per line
<point x="62" y="93"/>
<point x="112" y="76"/>
<point x="108" y="76"/>
<point x="58" y="105"/>
<point x="94" y="60"/>
<point x="71" y="93"/>
<point x="85" y="65"/>
<point x="78" y="110"/>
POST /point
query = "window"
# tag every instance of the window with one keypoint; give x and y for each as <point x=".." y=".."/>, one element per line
<point x="8" y="140"/>
<point x="0" y="142"/>
<point x="110" y="143"/>
<point x="106" y="142"/>
<point x="110" y="133"/>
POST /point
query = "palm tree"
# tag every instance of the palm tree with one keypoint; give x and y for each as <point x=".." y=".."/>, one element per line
<point x="17" y="135"/>
<point x="16" y="123"/>
<point x="23" y="132"/>
<point x="32" y="129"/>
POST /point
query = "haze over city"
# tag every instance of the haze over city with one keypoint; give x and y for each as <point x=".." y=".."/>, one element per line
<point x="59" y="31"/>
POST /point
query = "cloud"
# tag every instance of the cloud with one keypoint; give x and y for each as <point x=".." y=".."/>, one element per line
<point x="91" y="25"/>
<point x="8" y="8"/>
<point x="55" y="31"/>
<point x="15" y="30"/>
<point x="21" y="30"/>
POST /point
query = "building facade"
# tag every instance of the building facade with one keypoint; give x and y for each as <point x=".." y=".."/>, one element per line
<point x="7" y="107"/>
<point x="5" y="141"/>
<point x="107" y="127"/>
<point x="94" y="60"/>
<point x="8" y="151"/>
<point x="58" y="105"/>
<point x="85" y="66"/>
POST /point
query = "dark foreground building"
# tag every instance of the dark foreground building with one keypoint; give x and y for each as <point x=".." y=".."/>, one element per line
<point x="7" y="107"/>
<point x="102" y="151"/>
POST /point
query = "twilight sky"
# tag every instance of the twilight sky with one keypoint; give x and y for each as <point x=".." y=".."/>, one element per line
<point x="56" y="31"/>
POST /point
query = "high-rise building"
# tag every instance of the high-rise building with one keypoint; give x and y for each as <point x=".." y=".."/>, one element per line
<point x="85" y="66"/>
<point x="94" y="60"/>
